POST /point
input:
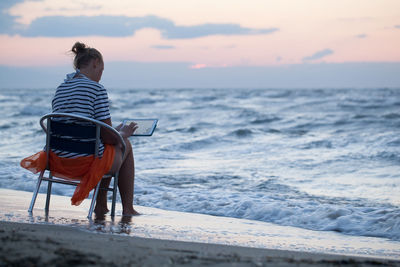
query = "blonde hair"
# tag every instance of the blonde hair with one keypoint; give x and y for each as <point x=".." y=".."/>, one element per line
<point x="84" y="54"/>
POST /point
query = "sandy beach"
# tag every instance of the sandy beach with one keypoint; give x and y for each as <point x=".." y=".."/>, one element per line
<point x="67" y="238"/>
<point x="54" y="245"/>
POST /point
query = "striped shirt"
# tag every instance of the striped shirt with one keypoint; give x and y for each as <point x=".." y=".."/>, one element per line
<point x="81" y="96"/>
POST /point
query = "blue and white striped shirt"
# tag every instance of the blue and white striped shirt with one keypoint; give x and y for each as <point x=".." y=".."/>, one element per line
<point x="81" y="96"/>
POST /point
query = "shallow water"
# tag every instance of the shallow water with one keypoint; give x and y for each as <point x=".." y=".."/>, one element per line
<point x="323" y="160"/>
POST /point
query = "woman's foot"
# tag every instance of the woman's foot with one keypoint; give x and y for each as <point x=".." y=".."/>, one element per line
<point x="100" y="210"/>
<point x="99" y="219"/>
<point x="131" y="212"/>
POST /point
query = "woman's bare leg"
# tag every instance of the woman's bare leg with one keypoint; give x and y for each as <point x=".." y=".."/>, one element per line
<point x="125" y="182"/>
<point x="101" y="201"/>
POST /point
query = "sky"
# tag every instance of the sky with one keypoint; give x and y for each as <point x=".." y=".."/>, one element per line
<point x="205" y="43"/>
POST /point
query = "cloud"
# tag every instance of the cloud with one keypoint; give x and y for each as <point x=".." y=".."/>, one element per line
<point x="163" y="47"/>
<point x="319" y="55"/>
<point x="356" y="19"/>
<point x="361" y="36"/>
<point x="120" y="26"/>
<point x="5" y="4"/>
<point x="198" y="66"/>
<point x="7" y="22"/>
<point x="397" y="26"/>
<point x="183" y="32"/>
<point x="79" y="7"/>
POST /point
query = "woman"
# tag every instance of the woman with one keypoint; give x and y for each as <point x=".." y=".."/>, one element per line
<point x="82" y="94"/>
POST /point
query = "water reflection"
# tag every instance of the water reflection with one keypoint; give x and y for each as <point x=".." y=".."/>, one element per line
<point x="101" y="223"/>
<point x="107" y="224"/>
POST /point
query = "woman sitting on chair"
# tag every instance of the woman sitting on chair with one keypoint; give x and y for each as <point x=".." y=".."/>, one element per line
<point x="81" y="94"/>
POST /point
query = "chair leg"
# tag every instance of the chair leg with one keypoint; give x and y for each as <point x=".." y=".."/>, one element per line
<point x="36" y="191"/>
<point x="94" y="198"/>
<point x="46" y="209"/>
<point x="114" y="196"/>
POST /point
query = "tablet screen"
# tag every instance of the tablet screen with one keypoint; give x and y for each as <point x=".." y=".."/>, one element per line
<point x="146" y="127"/>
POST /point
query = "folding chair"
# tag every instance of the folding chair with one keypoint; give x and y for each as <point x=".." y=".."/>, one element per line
<point x="58" y="136"/>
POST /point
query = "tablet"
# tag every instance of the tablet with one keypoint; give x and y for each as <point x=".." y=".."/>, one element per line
<point x="146" y="126"/>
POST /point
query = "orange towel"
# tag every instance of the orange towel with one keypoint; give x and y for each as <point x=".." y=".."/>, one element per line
<point x="88" y="170"/>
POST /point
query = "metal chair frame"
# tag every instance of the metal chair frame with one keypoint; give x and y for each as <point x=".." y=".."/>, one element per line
<point x="50" y="179"/>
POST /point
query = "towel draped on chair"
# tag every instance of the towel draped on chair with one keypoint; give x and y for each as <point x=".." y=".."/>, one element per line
<point x="88" y="170"/>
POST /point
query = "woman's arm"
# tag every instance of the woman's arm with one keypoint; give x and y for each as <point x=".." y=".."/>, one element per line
<point x="106" y="136"/>
<point x="124" y="130"/>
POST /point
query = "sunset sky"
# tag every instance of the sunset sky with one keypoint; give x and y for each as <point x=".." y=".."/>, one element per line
<point x="270" y="43"/>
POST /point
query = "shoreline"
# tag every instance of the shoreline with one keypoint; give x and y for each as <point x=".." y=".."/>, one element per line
<point x="55" y="245"/>
<point x="160" y="237"/>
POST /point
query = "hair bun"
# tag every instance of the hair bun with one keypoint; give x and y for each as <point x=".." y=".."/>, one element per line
<point x="78" y="48"/>
<point x="84" y="54"/>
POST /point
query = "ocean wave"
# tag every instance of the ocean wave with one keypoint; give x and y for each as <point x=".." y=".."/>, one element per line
<point x="296" y="131"/>
<point x="362" y="116"/>
<point x="364" y="221"/>
<point x="318" y="144"/>
<point x="272" y="131"/>
<point x="387" y="156"/>
<point x="34" y="110"/>
<point x="342" y="122"/>
<point x="391" y="116"/>
<point x="248" y="113"/>
<point x="264" y="120"/>
<point x="198" y="144"/>
<point x="280" y="93"/>
<point x="191" y="129"/>
<point x="301" y="128"/>
<point x="284" y="209"/>
<point x="7" y="126"/>
<point x="145" y="101"/>
<point x="241" y="133"/>
<point x="395" y="142"/>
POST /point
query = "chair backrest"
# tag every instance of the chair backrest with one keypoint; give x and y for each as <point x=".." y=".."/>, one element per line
<point x="69" y="137"/>
<point x="74" y="133"/>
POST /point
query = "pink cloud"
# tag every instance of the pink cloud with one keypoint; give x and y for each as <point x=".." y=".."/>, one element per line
<point x="198" y="66"/>
<point x="202" y="66"/>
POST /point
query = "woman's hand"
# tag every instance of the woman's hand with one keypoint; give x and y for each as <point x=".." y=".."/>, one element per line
<point x="126" y="130"/>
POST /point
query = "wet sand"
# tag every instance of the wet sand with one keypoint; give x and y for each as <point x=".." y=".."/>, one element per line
<point x="54" y="245"/>
<point x="67" y="238"/>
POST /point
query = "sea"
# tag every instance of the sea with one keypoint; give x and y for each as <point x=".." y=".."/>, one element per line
<point x="318" y="159"/>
